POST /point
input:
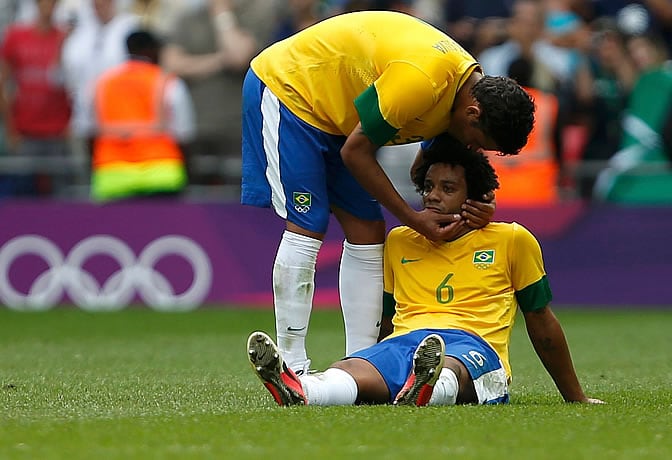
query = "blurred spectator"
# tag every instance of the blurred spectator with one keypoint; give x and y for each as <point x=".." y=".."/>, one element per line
<point x="349" y="6"/>
<point x="525" y="32"/>
<point x="614" y="75"/>
<point x="475" y="24"/>
<point x="95" y="45"/>
<point x="66" y="14"/>
<point x="210" y="49"/>
<point x="142" y="116"/>
<point x="8" y="12"/>
<point x="648" y="52"/>
<point x="158" y="16"/>
<point x="556" y="40"/>
<point x="667" y="135"/>
<point x="531" y="177"/>
<point x="7" y="16"/>
<point x="570" y="38"/>
<point x="639" y="173"/>
<point x="298" y="14"/>
<point x="34" y="103"/>
<point x="634" y="17"/>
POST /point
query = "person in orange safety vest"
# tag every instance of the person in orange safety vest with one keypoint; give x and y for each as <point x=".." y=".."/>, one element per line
<point x="142" y="115"/>
<point x="531" y="178"/>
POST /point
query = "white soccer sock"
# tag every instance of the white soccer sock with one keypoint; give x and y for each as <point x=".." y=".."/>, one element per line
<point x="333" y="387"/>
<point x="361" y="290"/>
<point x="445" y="389"/>
<point x="293" y="287"/>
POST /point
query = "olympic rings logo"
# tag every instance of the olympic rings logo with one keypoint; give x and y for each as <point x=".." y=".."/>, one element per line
<point x="302" y="209"/>
<point x="135" y="275"/>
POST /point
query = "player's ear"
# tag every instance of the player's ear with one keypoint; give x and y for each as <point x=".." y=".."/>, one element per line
<point x="473" y="112"/>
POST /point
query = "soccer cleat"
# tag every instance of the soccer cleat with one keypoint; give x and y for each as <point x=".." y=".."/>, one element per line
<point x="427" y="364"/>
<point x="279" y="380"/>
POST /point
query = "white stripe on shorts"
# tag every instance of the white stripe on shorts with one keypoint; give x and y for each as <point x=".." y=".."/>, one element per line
<point x="491" y="386"/>
<point x="270" y="114"/>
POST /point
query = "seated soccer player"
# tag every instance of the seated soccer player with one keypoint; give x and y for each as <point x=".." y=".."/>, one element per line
<point x="449" y="308"/>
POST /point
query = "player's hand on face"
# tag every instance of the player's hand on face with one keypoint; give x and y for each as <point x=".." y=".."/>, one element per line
<point x="477" y="214"/>
<point x="437" y="227"/>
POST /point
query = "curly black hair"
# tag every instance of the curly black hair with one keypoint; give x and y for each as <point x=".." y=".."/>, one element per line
<point x="479" y="174"/>
<point x="507" y="112"/>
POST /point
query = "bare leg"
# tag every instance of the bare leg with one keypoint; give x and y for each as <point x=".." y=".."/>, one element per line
<point x="371" y="385"/>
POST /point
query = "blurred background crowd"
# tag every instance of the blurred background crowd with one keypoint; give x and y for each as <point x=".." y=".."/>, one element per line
<point x="599" y="70"/>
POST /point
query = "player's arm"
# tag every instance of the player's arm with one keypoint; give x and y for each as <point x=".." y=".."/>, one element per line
<point x="235" y="47"/>
<point x="359" y="156"/>
<point x="386" y="326"/>
<point x="533" y="294"/>
<point x="550" y="344"/>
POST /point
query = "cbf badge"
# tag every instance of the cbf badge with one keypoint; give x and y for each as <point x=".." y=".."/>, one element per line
<point x="484" y="258"/>
<point x="302" y="201"/>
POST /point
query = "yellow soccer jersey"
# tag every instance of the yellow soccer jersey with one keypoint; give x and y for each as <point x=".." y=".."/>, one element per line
<point x="475" y="283"/>
<point x="393" y="72"/>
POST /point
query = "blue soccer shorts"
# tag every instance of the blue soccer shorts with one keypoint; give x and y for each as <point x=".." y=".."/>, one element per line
<point x="294" y="167"/>
<point x="393" y="358"/>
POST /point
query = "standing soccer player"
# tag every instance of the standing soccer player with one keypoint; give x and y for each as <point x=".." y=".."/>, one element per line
<point x="316" y="108"/>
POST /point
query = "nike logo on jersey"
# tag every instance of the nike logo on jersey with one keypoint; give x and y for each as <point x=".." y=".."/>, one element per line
<point x="404" y="260"/>
<point x="295" y="329"/>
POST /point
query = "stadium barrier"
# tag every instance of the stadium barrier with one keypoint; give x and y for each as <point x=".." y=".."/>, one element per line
<point x="176" y="255"/>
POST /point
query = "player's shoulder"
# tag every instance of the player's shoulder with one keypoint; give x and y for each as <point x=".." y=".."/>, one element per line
<point x="509" y="229"/>
<point x="401" y="231"/>
<point x="404" y="236"/>
<point x="516" y="233"/>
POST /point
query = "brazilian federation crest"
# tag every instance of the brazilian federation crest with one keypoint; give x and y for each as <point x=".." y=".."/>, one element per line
<point x="302" y="201"/>
<point x="484" y="258"/>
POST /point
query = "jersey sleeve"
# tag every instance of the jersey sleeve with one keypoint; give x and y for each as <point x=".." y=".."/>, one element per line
<point x="401" y="93"/>
<point x="528" y="275"/>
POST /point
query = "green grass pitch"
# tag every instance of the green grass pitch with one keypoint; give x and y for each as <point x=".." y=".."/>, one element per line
<point x="137" y="384"/>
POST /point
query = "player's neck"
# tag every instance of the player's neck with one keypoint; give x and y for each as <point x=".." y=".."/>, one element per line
<point x="465" y="89"/>
<point x="463" y="232"/>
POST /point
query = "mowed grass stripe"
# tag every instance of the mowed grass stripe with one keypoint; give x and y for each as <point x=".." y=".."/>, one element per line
<point x="141" y="384"/>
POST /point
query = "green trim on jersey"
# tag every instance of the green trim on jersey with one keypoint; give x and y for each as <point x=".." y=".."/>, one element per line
<point x="373" y="123"/>
<point x="535" y="296"/>
<point x="389" y="305"/>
